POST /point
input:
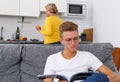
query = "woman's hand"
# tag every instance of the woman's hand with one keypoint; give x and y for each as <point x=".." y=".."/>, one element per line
<point x="38" y="28"/>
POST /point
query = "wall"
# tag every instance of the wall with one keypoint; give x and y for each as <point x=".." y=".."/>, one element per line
<point x="107" y="21"/>
<point x="28" y="30"/>
<point x="10" y="24"/>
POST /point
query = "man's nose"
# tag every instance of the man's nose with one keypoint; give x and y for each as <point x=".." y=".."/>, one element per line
<point x="73" y="41"/>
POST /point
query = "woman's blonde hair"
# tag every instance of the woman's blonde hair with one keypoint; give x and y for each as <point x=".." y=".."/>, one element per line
<point x="52" y="8"/>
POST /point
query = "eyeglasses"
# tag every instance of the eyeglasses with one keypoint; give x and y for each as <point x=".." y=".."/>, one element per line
<point x="69" y="40"/>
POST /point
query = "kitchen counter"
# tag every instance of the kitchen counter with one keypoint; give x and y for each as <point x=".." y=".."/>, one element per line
<point x="21" y="42"/>
<point x="32" y="42"/>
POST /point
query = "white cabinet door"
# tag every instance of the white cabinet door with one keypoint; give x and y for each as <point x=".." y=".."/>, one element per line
<point x="61" y="4"/>
<point x="9" y="7"/>
<point x="29" y="8"/>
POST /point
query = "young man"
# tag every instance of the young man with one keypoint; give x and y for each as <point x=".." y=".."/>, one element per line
<point x="71" y="61"/>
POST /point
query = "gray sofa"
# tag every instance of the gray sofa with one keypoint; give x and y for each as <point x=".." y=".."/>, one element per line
<point x="23" y="62"/>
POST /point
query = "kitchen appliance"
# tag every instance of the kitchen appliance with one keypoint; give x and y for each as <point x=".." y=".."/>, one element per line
<point x="76" y="9"/>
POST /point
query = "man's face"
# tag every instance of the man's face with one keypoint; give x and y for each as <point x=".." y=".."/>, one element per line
<point x="70" y="39"/>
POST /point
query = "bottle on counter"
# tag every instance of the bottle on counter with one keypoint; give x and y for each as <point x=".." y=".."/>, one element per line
<point x="17" y="33"/>
<point x="1" y="37"/>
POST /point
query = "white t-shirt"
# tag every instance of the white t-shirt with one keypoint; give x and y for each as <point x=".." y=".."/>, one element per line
<point x="57" y="64"/>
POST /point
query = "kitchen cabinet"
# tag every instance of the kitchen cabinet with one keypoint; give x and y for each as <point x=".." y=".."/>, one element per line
<point x="20" y="7"/>
<point x="9" y="7"/>
<point x="61" y="4"/>
<point x="29" y="8"/>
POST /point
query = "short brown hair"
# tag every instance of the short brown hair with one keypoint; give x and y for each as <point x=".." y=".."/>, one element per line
<point x="67" y="26"/>
<point x="52" y="8"/>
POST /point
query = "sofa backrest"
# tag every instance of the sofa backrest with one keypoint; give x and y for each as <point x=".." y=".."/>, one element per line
<point x="10" y="59"/>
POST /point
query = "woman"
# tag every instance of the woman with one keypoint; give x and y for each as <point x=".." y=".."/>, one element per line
<point x="51" y="27"/>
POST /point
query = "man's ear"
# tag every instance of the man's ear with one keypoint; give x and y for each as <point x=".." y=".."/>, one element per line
<point x="61" y="41"/>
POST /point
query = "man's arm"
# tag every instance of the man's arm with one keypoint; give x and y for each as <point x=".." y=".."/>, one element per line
<point x="48" y="80"/>
<point x="51" y="80"/>
<point x="110" y="74"/>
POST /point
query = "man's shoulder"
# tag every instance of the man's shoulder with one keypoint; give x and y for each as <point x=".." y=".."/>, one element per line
<point x="55" y="55"/>
<point x="84" y="53"/>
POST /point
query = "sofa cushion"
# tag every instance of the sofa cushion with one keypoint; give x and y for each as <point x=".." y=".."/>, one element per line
<point x="10" y="62"/>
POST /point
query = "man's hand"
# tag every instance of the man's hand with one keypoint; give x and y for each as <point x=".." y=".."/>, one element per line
<point x="110" y="74"/>
<point x="114" y="78"/>
<point x="62" y="81"/>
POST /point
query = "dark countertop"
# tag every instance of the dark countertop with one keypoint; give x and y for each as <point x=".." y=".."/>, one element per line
<point x="85" y="42"/>
<point x="21" y="42"/>
<point x="31" y="42"/>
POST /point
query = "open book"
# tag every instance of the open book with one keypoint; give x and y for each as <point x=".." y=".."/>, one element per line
<point x="78" y="76"/>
